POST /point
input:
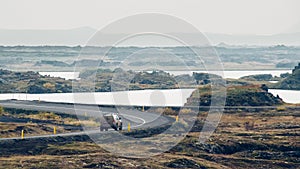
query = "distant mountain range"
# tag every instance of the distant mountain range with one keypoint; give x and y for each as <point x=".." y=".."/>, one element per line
<point x="67" y="37"/>
<point x="79" y="36"/>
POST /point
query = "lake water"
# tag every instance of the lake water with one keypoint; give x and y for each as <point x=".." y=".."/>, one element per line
<point x="172" y="97"/>
<point x="235" y="74"/>
<point x="227" y="74"/>
<point x="288" y="96"/>
<point x="66" y="75"/>
<point x="273" y="81"/>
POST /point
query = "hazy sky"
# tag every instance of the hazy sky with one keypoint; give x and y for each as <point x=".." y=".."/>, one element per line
<point x="263" y="17"/>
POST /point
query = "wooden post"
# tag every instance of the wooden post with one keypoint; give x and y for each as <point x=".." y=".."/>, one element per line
<point x="177" y="118"/>
<point x="54" y="130"/>
<point x="128" y="127"/>
<point x="143" y="108"/>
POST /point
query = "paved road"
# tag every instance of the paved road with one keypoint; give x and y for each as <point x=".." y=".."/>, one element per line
<point x="136" y="118"/>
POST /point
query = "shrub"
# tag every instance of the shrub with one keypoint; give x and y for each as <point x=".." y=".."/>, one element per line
<point x="1" y="110"/>
<point x="169" y="111"/>
<point x="249" y="125"/>
<point x="281" y="108"/>
<point x="48" y="85"/>
<point x="45" y="116"/>
<point x="166" y="111"/>
<point x="185" y="111"/>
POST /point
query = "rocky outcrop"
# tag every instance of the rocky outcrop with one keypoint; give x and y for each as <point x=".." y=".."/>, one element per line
<point x="291" y="82"/>
<point x="250" y="95"/>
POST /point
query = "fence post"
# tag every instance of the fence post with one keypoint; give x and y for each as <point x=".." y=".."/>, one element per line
<point x="22" y="134"/>
<point x="128" y="127"/>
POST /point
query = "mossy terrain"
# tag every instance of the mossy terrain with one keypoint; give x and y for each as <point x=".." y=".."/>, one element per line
<point x="102" y="80"/>
<point x="106" y="80"/>
<point x="271" y="142"/>
<point x="13" y="121"/>
<point x="32" y="82"/>
<point x="246" y="95"/>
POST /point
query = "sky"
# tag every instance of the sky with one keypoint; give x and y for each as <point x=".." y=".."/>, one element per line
<point x="253" y="17"/>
